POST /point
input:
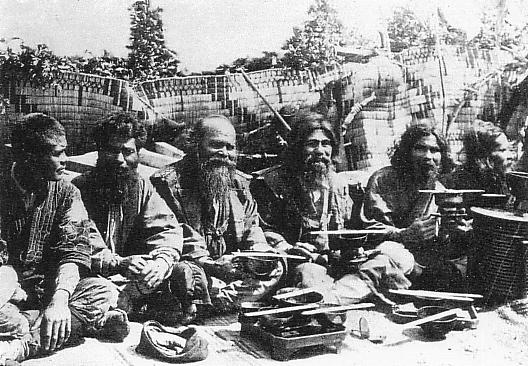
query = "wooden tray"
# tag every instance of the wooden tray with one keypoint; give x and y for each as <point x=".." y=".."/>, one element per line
<point x="282" y="348"/>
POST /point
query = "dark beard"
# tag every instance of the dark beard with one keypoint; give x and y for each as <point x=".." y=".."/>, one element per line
<point x="216" y="179"/>
<point x="425" y="176"/>
<point x="316" y="172"/>
<point x="113" y="184"/>
<point x="493" y="181"/>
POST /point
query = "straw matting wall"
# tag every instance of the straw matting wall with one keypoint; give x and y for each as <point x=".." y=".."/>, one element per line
<point x="76" y="100"/>
<point x="415" y="86"/>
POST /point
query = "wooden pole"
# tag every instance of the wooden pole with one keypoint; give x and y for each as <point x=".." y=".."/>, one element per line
<point x="440" y="59"/>
<point x="275" y="112"/>
<point x="501" y="10"/>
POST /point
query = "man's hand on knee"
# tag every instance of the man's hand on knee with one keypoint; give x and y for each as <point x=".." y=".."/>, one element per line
<point x="154" y="272"/>
<point x="133" y="265"/>
<point x="55" y="322"/>
<point x="306" y="250"/>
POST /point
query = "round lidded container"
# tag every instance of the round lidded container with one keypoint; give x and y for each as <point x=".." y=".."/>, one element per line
<point x="500" y="258"/>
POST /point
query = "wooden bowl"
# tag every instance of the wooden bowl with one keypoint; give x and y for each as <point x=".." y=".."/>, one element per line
<point x="332" y="318"/>
<point x="309" y="298"/>
<point x="404" y="313"/>
<point x="251" y="306"/>
<point x="438" y="328"/>
<point x="261" y="266"/>
<point x="492" y="200"/>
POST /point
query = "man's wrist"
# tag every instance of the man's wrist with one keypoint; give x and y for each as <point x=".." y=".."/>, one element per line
<point x="164" y="263"/>
<point x="122" y="264"/>
<point x="396" y="235"/>
<point x="118" y="261"/>
<point x="61" y="295"/>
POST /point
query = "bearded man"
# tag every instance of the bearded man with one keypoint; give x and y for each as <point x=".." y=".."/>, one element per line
<point x="488" y="157"/>
<point x="394" y="201"/>
<point x="47" y="298"/>
<point x="212" y="200"/>
<point x="143" y="238"/>
<point x="305" y="194"/>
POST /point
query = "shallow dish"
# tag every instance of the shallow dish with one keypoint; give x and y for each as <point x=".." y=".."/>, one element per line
<point x="402" y="317"/>
<point x="438" y="328"/>
<point x="250" y="306"/>
<point x="309" y="298"/>
<point x="332" y="317"/>
<point x="492" y="200"/>
<point x="261" y="266"/>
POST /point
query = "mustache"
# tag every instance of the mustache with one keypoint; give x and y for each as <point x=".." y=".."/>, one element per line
<point x="319" y="159"/>
<point x="215" y="161"/>
<point x="428" y="166"/>
<point x="312" y="161"/>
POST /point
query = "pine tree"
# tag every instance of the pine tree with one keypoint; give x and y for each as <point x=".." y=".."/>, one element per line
<point x="314" y="44"/>
<point x="149" y="58"/>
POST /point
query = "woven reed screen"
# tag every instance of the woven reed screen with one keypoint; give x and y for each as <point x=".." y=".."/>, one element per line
<point x="408" y="91"/>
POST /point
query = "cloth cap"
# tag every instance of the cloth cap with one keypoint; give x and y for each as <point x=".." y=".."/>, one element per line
<point x="176" y="345"/>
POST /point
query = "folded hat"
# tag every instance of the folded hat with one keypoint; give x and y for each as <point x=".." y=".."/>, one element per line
<point x="177" y="345"/>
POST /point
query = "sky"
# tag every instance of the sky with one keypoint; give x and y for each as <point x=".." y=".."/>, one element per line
<point x="204" y="33"/>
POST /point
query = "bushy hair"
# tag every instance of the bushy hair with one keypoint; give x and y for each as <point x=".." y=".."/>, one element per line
<point x="304" y="123"/>
<point x="120" y="124"/>
<point x="35" y="135"/>
<point x="401" y="157"/>
<point x="479" y="143"/>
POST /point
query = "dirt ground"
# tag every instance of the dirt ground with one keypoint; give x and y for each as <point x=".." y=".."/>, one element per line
<point x="501" y="338"/>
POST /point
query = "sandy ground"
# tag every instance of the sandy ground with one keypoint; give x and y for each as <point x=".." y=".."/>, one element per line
<point x="501" y="338"/>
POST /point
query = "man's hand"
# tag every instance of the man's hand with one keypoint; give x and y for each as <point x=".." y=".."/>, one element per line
<point x="55" y="322"/>
<point x="133" y="264"/>
<point x="104" y="262"/>
<point x="460" y="225"/>
<point x="420" y="230"/>
<point x="306" y="250"/>
<point x="154" y="272"/>
<point x="227" y="268"/>
<point x="225" y="265"/>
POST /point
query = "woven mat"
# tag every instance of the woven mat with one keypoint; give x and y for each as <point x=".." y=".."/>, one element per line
<point x="498" y="340"/>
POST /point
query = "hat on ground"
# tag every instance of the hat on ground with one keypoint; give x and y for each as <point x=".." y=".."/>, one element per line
<point x="177" y="345"/>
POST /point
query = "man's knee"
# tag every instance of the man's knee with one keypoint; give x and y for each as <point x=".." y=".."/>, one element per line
<point x="8" y="283"/>
<point x="188" y="280"/>
<point x="12" y="322"/>
<point x="98" y="290"/>
<point x="311" y="275"/>
<point x="7" y="273"/>
<point x="400" y="256"/>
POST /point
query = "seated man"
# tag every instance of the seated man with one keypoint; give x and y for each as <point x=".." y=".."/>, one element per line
<point x="393" y="200"/>
<point x="304" y="195"/>
<point x="488" y="158"/>
<point x="143" y="237"/>
<point x="212" y="199"/>
<point x="46" y="298"/>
